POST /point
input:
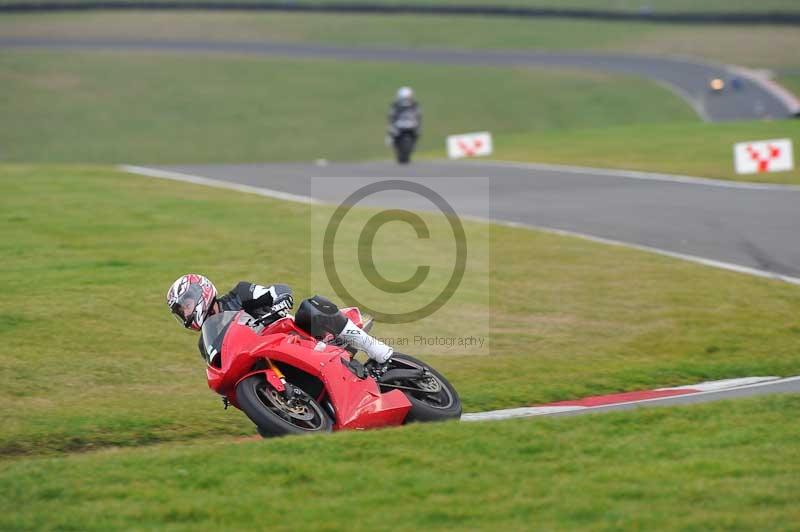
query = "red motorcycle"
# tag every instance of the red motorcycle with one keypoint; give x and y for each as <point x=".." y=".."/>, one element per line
<point x="288" y="382"/>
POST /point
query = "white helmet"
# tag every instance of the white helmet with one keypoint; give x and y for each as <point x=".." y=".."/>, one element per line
<point x="190" y="299"/>
<point x="405" y="93"/>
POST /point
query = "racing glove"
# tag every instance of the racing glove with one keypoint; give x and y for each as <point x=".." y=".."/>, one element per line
<point x="282" y="304"/>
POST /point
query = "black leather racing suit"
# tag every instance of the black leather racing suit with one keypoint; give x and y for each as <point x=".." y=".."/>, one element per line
<point x="317" y="315"/>
<point x="403" y="114"/>
<point x="255" y="299"/>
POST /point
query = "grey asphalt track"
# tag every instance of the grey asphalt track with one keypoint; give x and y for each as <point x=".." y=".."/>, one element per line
<point x="781" y="386"/>
<point x="722" y="221"/>
<point x="689" y="79"/>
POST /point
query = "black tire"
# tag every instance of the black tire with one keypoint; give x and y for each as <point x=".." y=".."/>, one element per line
<point x="441" y="406"/>
<point x="403" y="147"/>
<point x="253" y="395"/>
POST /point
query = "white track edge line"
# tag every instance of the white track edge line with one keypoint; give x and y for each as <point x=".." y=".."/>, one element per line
<point x="198" y="180"/>
<point x="695" y="394"/>
<point x="632" y="174"/>
<point x="529" y="411"/>
<point x="511" y="415"/>
<point x="722" y="384"/>
<point x="769" y="85"/>
<point x="695" y="103"/>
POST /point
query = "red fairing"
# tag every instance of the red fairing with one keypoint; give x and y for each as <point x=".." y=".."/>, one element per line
<point x="358" y="403"/>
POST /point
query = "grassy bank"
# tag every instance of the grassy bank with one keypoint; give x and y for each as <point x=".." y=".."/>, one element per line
<point x="688" y="149"/>
<point x="91" y="357"/>
<point x="726" y="465"/>
<point x="791" y="81"/>
<point x="758" y="46"/>
<point x="713" y="6"/>
<point x="138" y="107"/>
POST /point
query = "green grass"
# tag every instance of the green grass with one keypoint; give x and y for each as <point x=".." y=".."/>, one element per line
<point x="402" y="30"/>
<point x="91" y="357"/>
<point x="687" y="149"/>
<point x="107" y="107"/>
<point x="722" y="466"/>
<point x="718" y="6"/>
<point x="164" y="108"/>
<point x="791" y="81"/>
<point x="758" y="46"/>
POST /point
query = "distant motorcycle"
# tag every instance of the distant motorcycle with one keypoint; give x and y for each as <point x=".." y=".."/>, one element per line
<point x="404" y="132"/>
<point x="716" y="85"/>
<point x="287" y="382"/>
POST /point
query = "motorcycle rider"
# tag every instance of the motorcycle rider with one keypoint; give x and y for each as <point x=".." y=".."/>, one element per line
<point x="404" y="109"/>
<point x="192" y="298"/>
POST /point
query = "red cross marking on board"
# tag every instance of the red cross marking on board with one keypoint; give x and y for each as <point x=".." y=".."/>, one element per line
<point x="468" y="150"/>
<point x="763" y="160"/>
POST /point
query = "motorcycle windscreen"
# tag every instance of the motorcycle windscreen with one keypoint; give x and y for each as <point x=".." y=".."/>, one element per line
<point x="212" y="334"/>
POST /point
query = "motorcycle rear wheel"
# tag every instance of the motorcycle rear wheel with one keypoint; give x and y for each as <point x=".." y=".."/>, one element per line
<point x="439" y="404"/>
<point x="274" y="415"/>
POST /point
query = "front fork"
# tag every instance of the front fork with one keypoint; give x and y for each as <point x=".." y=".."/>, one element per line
<point x="276" y="379"/>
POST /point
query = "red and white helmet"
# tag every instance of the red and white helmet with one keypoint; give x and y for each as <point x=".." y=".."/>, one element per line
<point x="190" y="299"/>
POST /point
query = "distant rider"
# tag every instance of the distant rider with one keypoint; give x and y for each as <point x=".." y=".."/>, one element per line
<point x="192" y="298"/>
<point x="404" y="114"/>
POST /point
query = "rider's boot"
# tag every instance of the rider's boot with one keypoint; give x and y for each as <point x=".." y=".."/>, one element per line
<point x="355" y="337"/>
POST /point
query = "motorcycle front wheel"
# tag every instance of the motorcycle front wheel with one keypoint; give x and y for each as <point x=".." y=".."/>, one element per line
<point x="404" y="145"/>
<point x="432" y="397"/>
<point x="275" y="415"/>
